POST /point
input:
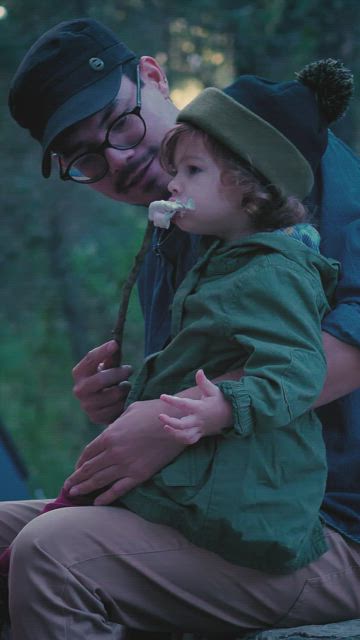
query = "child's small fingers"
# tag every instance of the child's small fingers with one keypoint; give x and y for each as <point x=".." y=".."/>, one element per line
<point x="205" y="385"/>
<point x="186" y="422"/>
<point x="184" y="404"/>
<point x="188" y="436"/>
<point x="175" y="423"/>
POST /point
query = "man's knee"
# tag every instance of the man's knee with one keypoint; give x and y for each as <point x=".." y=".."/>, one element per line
<point x="14" y="516"/>
<point x="72" y="535"/>
<point x="48" y="535"/>
<point x="25" y="542"/>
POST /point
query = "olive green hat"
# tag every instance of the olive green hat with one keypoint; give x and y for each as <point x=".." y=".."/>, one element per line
<point x="280" y="128"/>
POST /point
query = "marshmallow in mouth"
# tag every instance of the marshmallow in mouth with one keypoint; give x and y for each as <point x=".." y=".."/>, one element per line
<point x="161" y="211"/>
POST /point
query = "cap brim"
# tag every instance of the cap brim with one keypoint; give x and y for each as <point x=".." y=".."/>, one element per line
<point x="80" y="106"/>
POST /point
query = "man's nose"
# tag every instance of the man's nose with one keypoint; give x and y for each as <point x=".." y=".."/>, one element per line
<point x="117" y="158"/>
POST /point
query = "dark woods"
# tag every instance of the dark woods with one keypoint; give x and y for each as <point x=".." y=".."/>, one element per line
<point x="65" y="251"/>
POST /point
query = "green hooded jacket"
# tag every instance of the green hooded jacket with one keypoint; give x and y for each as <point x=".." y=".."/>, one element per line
<point x="253" y="493"/>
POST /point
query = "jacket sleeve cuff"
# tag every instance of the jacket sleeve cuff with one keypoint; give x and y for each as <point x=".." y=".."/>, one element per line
<point x="241" y="405"/>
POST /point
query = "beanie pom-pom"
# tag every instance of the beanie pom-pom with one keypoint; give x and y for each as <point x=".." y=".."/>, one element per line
<point x="332" y="83"/>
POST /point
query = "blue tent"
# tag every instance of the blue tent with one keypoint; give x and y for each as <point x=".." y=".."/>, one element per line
<point x="13" y="473"/>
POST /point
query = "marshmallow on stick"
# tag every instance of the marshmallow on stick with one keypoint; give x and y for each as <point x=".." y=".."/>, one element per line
<point x="161" y="211"/>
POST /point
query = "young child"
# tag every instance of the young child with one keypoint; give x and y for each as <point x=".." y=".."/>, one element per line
<point x="250" y="485"/>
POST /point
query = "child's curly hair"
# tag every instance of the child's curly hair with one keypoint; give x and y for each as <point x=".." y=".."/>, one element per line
<point x="267" y="207"/>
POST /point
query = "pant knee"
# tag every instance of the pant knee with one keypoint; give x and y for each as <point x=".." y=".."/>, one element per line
<point x="25" y="545"/>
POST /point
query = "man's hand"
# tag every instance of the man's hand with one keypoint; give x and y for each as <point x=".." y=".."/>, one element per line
<point x="131" y="449"/>
<point x="208" y="415"/>
<point x="100" y="385"/>
<point x="125" y="454"/>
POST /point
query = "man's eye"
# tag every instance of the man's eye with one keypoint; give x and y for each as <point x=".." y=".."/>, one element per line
<point x="119" y="125"/>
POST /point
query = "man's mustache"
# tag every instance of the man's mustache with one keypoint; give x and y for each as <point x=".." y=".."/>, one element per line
<point x="128" y="176"/>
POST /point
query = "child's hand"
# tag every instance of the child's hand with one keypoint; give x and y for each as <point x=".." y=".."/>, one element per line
<point x="207" y="416"/>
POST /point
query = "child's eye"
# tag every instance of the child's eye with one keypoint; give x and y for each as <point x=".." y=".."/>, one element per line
<point x="193" y="169"/>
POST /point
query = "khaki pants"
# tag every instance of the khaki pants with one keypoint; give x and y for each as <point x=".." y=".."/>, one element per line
<point x="77" y="571"/>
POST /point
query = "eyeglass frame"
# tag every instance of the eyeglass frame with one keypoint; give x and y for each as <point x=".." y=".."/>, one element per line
<point x="64" y="175"/>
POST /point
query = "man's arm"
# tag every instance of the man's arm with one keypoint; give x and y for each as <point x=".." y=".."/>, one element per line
<point x="135" y="446"/>
<point x="131" y="449"/>
<point x="343" y="369"/>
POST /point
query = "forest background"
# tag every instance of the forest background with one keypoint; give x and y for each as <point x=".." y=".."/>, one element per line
<point x="65" y="250"/>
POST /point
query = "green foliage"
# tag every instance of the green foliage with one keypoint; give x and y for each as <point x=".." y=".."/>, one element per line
<point x="64" y="249"/>
<point x="64" y="252"/>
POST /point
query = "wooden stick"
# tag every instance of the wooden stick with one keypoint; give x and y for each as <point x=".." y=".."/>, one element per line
<point x="118" y="331"/>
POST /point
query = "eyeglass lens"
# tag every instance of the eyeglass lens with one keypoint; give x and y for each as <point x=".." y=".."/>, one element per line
<point x="125" y="133"/>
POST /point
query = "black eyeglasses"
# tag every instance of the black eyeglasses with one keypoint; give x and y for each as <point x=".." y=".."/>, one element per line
<point x="125" y="132"/>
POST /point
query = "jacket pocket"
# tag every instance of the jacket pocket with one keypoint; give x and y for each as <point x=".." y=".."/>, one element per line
<point x="193" y="466"/>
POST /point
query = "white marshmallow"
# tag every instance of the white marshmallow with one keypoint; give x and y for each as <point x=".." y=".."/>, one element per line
<point x="161" y="211"/>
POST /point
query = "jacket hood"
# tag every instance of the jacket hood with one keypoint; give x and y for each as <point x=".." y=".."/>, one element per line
<point x="292" y="248"/>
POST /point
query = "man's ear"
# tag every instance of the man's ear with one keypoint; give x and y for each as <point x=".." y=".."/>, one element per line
<point x="151" y="72"/>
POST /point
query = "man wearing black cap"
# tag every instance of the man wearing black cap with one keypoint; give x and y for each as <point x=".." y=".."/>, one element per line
<point x="73" y="75"/>
<point x="103" y="114"/>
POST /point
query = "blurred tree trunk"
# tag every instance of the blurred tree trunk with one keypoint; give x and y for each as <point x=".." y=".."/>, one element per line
<point x="68" y="291"/>
<point x="340" y="29"/>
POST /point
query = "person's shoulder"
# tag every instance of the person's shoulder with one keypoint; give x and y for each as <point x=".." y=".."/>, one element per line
<point x="340" y="150"/>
